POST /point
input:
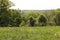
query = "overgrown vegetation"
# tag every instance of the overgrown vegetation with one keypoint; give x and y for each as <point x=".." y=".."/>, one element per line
<point x="16" y="17"/>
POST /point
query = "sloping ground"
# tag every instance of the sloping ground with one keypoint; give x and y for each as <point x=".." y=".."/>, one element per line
<point x="30" y="33"/>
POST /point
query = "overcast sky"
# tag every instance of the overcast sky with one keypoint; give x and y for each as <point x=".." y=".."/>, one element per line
<point x="36" y="4"/>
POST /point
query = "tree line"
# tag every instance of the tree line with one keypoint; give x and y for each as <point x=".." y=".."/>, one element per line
<point x="15" y="17"/>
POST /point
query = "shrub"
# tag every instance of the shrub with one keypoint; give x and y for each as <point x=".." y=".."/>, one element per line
<point x="42" y="20"/>
<point x="31" y="21"/>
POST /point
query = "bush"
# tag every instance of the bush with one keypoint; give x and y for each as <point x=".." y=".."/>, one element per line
<point x="57" y="19"/>
<point x="42" y="20"/>
<point x="32" y="21"/>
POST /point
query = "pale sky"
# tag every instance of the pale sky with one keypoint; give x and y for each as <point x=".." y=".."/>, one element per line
<point x="36" y="4"/>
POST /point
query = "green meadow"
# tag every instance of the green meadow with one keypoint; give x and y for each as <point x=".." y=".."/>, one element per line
<point x="30" y="33"/>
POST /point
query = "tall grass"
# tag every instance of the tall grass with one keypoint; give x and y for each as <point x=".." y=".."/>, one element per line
<point x="30" y="33"/>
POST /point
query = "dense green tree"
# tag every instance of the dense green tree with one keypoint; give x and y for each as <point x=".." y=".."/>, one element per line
<point x="15" y="18"/>
<point x="4" y="16"/>
<point x="9" y="17"/>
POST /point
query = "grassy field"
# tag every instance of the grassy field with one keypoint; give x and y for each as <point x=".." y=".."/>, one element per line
<point x="30" y="33"/>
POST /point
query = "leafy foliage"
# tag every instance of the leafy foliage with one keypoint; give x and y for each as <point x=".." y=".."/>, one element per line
<point x="9" y="17"/>
<point x="42" y="20"/>
<point x="57" y="17"/>
<point x="32" y="21"/>
<point x="15" y="17"/>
